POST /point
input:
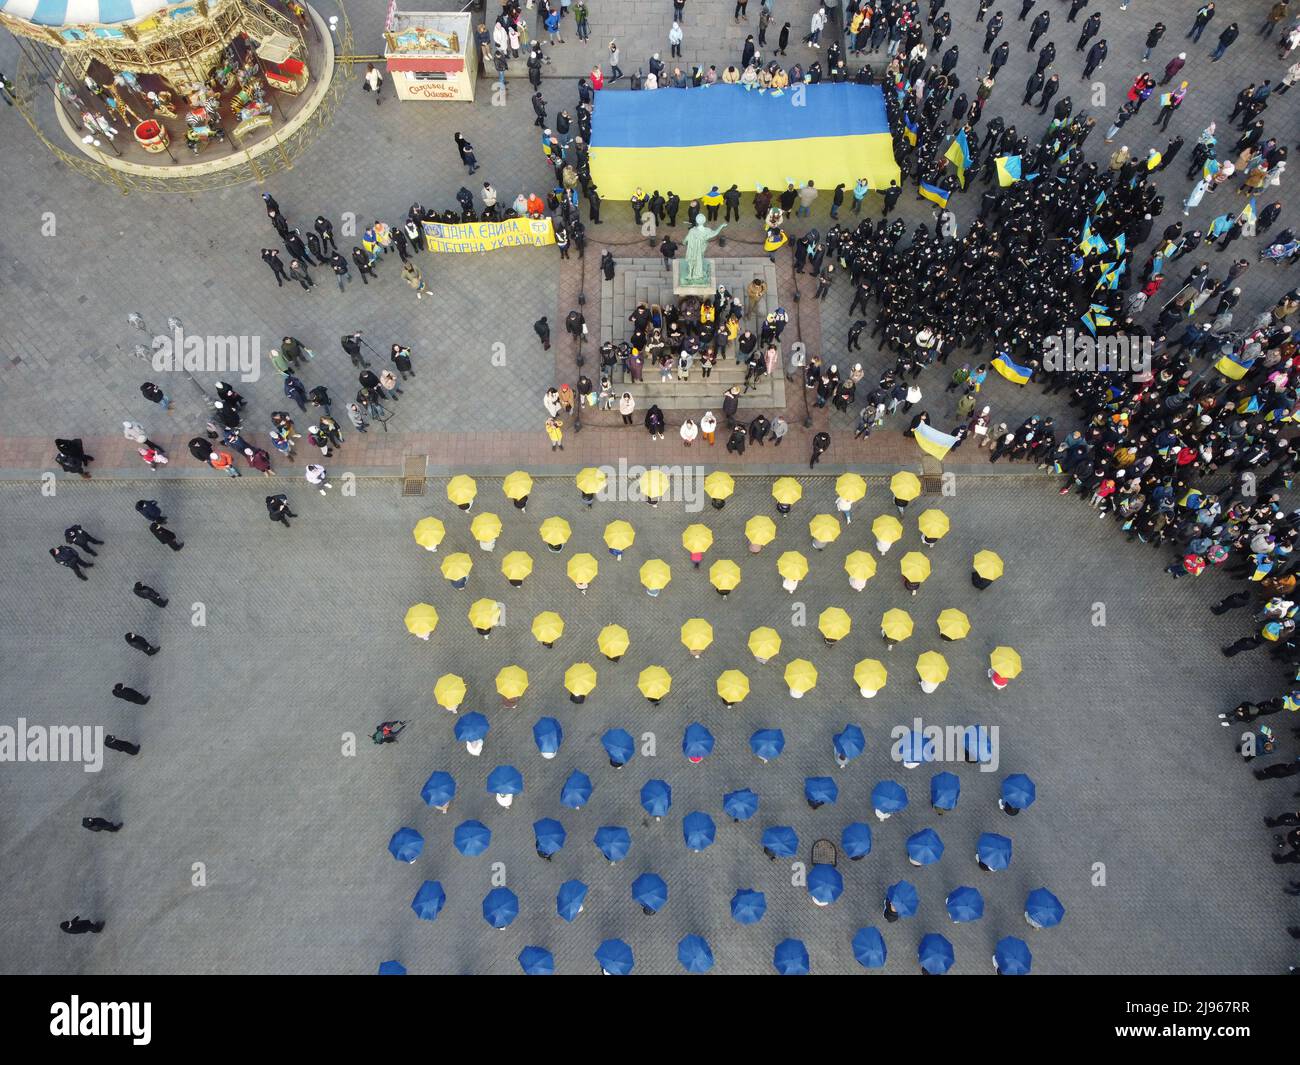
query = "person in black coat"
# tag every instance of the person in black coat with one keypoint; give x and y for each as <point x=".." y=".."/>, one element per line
<point x="124" y="746"/>
<point x="821" y="443"/>
<point x="130" y="695"/>
<point x="134" y="639"/>
<point x="164" y="535"/>
<point x="68" y="556"/>
<point x="76" y="536"/>
<point x="79" y="924"/>
<point x="145" y="592"/>
<point x="730" y="403"/>
<point x="150" y="510"/>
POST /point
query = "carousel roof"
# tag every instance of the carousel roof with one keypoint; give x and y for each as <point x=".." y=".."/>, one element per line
<point x="56" y="13"/>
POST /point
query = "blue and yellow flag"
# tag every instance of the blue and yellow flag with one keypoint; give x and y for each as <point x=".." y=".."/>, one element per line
<point x="1248" y="213"/>
<point x="1012" y="371"/>
<point x="1232" y="366"/>
<point x="909" y="129"/>
<point x="958" y="154"/>
<point x="934" y="193"/>
<point x="932" y="441"/>
<point x="1008" y="168"/>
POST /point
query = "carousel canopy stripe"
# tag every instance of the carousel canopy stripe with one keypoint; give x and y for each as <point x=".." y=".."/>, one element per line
<point x="81" y="12"/>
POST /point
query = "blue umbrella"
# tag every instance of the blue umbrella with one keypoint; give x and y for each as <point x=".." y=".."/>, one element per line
<point x="650" y="891"/>
<point x="767" y="743"/>
<point x="614" y="842"/>
<point x="965" y="904"/>
<point x="615" y="957"/>
<point x="825" y="884"/>
<point x="977" y="741"/>
<point x="915" y="748"/>
<point x="472" y="837"/>
<point x="850" y="742"/>
<point x="549" y="835"/>
<point x="548" y="734"/>
<point x="888" y="797"/>
<point x="903" y="898"/>
<point x="791" y="958"/>
<point x="1019" y="791"/>
<point x="856" y="840"/>
<point x="924" y="847"/>
<point x="748" y="906"/>
<point x="429" y="900"/>
<point x="869" y="948"/>
<point x="656" y="798"/>
<point x="1012" y="957"/>
<point x="697" y="741"/>
<point x="500" y="907"/>
<point x="619" y="745"/>
<point x="537" y="961"/>
<point x="576" y="790"/>
<point x="935" y="954"/>
<point x="470" y="727"/>
<point x="698" y="830"/>
<point x="781" y="841"/>
<point x="569" y="899"/>
<point x="406" y="845"/>
<point x="694" y="954"/>
<point x="392" y="968"/>
<point x="944" y="791"/>
<point x="505" y="780"/>
<point x="1043" y="909"/>
<point x="439" y="789"/>
<point x="820" y="790"/>
<point x="741" y="805"/>
<point x="993" y="851"/>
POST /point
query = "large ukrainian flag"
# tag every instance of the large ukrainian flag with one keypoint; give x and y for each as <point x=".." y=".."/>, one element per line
<point x="689" y="140"/>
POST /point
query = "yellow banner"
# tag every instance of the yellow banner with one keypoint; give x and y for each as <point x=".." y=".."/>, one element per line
<point x="488" y="236"/>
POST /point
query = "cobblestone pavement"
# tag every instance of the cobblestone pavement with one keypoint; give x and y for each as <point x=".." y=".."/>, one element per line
<point x="303" y="646"/>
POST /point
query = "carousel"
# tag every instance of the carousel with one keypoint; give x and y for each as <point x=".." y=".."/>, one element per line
<point x="157" y="85"/>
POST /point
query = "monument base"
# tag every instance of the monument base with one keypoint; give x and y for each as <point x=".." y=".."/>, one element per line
<point x="696" y="287"/>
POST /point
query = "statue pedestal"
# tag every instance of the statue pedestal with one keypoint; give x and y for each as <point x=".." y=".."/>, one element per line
<point x="704" y="287"/>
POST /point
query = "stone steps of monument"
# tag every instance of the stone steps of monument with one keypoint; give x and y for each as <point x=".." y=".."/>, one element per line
<point x="698" y="394"/>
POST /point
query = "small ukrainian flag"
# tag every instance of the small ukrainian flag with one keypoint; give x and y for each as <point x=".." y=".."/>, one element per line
<point x="934" y="193"/>
<point x="1008" y="167"/>
<point x="909" y="129"/>
<point x="1230" y="366"/>
<point x="1012" y="371"/>
<point x="932" y="441"/>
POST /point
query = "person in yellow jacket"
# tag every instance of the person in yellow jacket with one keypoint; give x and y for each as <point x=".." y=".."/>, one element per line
<point x="712" y="202"/>
<point x="555" y="433"/>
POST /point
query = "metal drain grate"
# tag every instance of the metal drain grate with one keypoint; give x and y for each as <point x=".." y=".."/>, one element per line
<point x="413" y="475"/>
<point x="932" y="486"/>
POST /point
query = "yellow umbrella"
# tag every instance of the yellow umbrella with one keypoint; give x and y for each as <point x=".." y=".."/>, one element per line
<point x="954" y="624"/>
<point x="656" y="573"/>
<point x="933" y="524"/>
<point x="988" y="565"/>
<point x="887" y="528"/>
<point x="905" y="486"/>
<point x="850" y="486"/>
<point x="932" y="667"/>
<point x="824" y="528"/>
<point x="456" y="566"/>
<point x="461" y="489"/>
<point x="555" y="531"/>
<point x="654" y="682"/>
<point x="834" y="623"/>
<point x="421" y="620"/>
<point x="484" y="613"/>
<point x="787" y="491"/>
<point x="613" y="641"/>
<point x="485" y="528"/>
<point x="517" y="565"/>
<point x="792" y="566"/>
<point x="582" y="568"/>
<point x="512" y="682"/>
<point x="590" y="480"/>
<point x="860" y="565"/>
<point x="870" y="675"/>
<point x="801" y="676"/>
<point x="697" y="634"/>
<point x="760" y="530"/>
<point x="619" y="535"/>
<point x="428" y="533"/>
<point x="548" y="626"/>
<point x="733" y="686"/>
<point x="915" y="566"/>
<point x="449" y="691"/>
<point x="654" y="484"/>
<point x="580" y="678"/>
<point x="517" y="485"/>
<point x="719" y="485"/>
<point x="1005" y="662"/>
<point x="724" y="575"/>
<point x="764" y="643"/>
<point x="697" y="538"/>
<point x="896" y="624"/>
